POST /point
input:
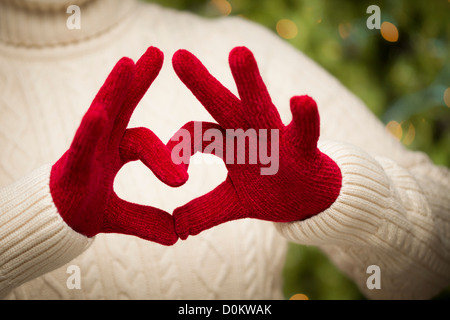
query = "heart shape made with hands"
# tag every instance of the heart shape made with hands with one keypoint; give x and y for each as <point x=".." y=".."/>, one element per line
<point x="305" y="181"/>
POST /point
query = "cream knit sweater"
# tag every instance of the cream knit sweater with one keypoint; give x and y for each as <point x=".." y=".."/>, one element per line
<point x="393" y="210"/>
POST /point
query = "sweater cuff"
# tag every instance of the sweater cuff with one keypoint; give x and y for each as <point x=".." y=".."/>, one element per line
<point x="381" y="217"/>
<point x="34" y="239"/>
<point x="356" y="212"/>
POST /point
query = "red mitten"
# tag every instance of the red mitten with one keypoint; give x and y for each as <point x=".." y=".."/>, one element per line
<point x="81" y="181"/>
<point x="306" y="181"/>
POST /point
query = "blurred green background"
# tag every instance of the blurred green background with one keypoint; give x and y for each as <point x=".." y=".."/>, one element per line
<point x="401" y="71"/>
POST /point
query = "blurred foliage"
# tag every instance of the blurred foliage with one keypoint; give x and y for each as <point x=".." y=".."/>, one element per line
<point x="308" y="271"/>
<point x="402" y="81"/>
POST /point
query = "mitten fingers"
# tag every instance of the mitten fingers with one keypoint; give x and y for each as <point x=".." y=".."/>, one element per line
<point x="257" y="104"/>
<point x="218" y="206"/>
<point x="142" y="144"/>
<point x="145" y="222"/>
<point x="112" y="94"/>
<point x="96" y="125"/>
<point x="147" y="69"/>
<point x="304" y="130"/>
<point x="197" y="136"/>
<point x="222" y="104"/>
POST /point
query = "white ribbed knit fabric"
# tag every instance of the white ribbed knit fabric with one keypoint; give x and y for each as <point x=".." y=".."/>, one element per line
<point x="49" y="241"/>
<point x="393" y="210"/>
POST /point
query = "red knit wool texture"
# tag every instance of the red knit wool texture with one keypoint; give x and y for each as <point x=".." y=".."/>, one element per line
<point x="307" y="181"/>
<point x="81" y="181"/>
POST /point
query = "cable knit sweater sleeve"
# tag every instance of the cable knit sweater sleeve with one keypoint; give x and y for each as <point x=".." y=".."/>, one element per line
<point x="33" y="237"/>
<point x="388" y="217"/>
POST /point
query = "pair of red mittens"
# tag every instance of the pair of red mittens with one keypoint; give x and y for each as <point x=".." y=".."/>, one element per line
<point x="305" y="183"/>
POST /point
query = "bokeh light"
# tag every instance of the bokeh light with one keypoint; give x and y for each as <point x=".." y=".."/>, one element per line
<point x="403" y="131"/>
<point x="395" y="128"/>
<point x="409" y="135"/>
<point x="344" y="30"/>
<point x="447" y="96"/>
<point x="223" y="6"/>
<point x="286" y="29"/>
<point x="389" y="32"/>
<point x="299" y="296"/>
